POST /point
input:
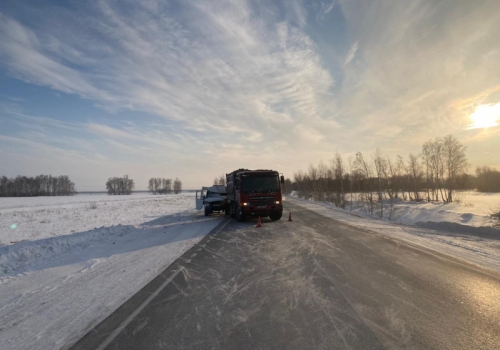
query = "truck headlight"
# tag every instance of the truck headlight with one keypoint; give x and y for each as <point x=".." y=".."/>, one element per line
<point x="277" y="202"/>
<point x="245" y="204"/>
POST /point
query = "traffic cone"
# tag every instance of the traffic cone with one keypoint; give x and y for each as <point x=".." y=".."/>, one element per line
<point x="290" y="217"/>
<point x="259" y="223"/>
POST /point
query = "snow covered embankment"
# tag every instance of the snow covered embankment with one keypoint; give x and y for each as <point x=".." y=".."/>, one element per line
<point x="54" y="290"/>
<point x="472" y="210"/>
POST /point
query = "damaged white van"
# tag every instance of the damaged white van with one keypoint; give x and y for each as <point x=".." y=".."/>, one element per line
<point x="211" y="199"/>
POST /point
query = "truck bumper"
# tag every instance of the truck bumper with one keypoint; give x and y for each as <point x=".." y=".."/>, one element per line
<point x="262" y="210"/>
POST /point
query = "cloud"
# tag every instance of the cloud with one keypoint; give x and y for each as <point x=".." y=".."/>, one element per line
<point x="351" y="53"/>
<point x="418" y="60"/>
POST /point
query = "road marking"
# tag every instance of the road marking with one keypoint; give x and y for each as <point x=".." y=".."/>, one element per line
<point x="129" y="319"/>
<point x="227" y="222"/>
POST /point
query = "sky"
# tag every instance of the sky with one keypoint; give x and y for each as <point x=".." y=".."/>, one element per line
<point x="196" y="89"/>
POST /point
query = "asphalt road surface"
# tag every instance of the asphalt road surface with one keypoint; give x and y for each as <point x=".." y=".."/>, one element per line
<point x="314" y="283"/>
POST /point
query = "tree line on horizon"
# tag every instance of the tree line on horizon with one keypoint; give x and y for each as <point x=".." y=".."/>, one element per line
<point x="48" y="185"/>
<point x="435" y="174"/>
<point x="158" y="185"/>
<point x="41" y="185"/>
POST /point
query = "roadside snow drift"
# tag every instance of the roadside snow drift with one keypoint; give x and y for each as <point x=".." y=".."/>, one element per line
<point x="470" y="209"/>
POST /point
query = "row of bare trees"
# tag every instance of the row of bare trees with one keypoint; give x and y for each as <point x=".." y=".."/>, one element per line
<point x="433" y="175"/>
<point x="120" y="185"/>
<point x="157" y="185"/>
<point x="164" y="186"/>
<point x="41" y="185"/>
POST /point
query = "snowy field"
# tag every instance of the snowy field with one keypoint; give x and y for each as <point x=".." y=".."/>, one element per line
<point x="42" y="217"/>
<point x="75" y="264"/>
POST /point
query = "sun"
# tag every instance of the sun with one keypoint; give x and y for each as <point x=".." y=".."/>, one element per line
<point x="485" y="116"/>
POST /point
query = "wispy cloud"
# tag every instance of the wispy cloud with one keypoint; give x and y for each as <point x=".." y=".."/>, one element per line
<point x="351" y="53"/>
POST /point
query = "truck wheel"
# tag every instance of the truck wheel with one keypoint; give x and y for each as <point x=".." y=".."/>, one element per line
<point x="275" y="216"/>
<point x="207" y="212"/>
<point x="240" y="216"/>
<point x="232" y="210"/>
<point x="226" y="210"/>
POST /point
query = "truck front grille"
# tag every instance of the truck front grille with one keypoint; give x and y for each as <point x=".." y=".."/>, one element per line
<point x="258" y="201"/>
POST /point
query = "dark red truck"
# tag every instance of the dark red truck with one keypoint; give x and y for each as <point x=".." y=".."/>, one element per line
<point x="254" y="193"/>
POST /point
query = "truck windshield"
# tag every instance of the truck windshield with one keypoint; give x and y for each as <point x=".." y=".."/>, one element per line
<point x="260" y="184"/>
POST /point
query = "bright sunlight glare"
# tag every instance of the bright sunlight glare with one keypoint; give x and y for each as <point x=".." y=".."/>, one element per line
<point x="485" y="116"/>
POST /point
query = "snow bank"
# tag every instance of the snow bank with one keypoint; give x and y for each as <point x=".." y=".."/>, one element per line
<point x="54" y="290"/>
<point x="472" y="209"/>
<point x="486" y="232"/>
<point x="21" y="257"/>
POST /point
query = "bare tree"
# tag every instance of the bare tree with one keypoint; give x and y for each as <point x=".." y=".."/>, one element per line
<point x="392" y="174"/>
<point x="365" y="172"/>
<point x="351" y="179"/>
<point x="313" y="176"/>
<point x="339" y="174"/>
<point x="455" y="162"/>
<point x="151" y="186"/>
<point x="381" y="173"/>
<point x="414" y="174"/>
<point x="432" y="155"/>
<point x="177" y="186"/>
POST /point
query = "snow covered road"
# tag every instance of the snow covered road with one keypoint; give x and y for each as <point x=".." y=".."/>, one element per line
<point x="314" y="283"/>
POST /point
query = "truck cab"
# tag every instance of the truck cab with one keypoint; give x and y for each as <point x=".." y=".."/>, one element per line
<point x="254" y="193"/>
